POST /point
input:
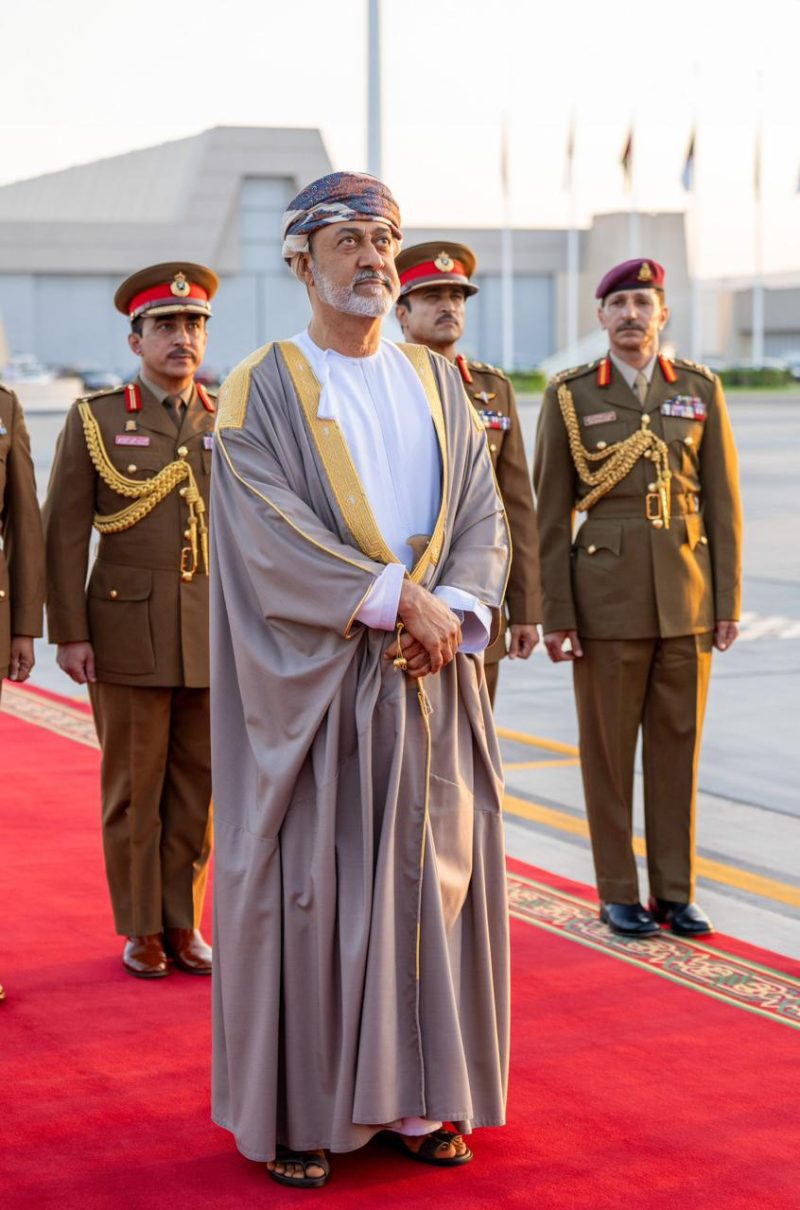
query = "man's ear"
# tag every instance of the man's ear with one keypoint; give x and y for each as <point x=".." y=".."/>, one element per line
<point x="304" y="270"/>
<point x="135" y="343"/>
<point x="664" y="317"/>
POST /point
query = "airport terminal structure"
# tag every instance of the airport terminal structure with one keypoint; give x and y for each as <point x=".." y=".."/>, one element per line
<point x="69" y="237"/>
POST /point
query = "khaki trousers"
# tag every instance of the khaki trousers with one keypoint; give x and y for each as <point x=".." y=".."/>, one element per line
<point x="660" y="686"/>
<point x="156" y="794"/>
<point x="491" y="672"/>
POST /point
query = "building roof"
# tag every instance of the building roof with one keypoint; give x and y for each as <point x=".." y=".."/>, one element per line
<point x="175" y="200"/>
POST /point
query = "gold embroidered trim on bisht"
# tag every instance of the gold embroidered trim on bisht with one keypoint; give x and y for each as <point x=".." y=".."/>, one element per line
<point x="348" y="491"/>
<point x="234" y="392"/>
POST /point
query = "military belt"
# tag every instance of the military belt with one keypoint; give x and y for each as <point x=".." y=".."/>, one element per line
<point x="636" y="508"/>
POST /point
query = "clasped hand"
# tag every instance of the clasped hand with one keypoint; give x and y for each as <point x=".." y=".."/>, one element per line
<point x="432" y="634"/>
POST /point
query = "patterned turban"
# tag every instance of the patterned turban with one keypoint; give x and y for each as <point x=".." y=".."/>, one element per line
<point x="337" y="198"/>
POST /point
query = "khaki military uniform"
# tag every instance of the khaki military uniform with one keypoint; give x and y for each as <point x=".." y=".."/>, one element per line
<point x="492" y="395"/>
<point x="22" y="551"/>
<point x="149" y="630"/>
<point x="644" y="598"/>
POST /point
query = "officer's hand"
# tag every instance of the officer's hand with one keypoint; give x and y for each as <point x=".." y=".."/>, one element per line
<point x="523" y="640"/>
<point x="430" y="622"/>
<point x="77" y="660"/>
<point x="725" y="633"/>
<point x="21" y="659"/>
<point x="418" y="662"/>
<point x="554" y="642"/>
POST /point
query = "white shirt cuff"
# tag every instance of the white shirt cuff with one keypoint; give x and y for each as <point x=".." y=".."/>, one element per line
<point x="476" y="625"/>
<point x="379" y="607"/>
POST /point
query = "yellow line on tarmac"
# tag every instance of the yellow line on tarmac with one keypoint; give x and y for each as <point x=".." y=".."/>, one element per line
<point x="536" y="741"/>
<point x="541" y="764"/>
<point x="714" y="871"/>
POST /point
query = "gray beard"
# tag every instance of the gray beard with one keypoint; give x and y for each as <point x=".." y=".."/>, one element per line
<point x="345" y="299"/>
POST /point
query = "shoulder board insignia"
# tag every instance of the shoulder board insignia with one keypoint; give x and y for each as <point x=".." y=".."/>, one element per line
<point x="486" y="368"/>
<point x="575" y="372"/>
<point x="100" y="394"/>
<point x="686" y="364"/>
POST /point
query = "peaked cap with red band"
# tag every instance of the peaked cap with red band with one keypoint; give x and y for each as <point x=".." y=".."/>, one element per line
<point x="436" y="264"/>
<point x="167" y="290"/>
<point x="639" y="274"/>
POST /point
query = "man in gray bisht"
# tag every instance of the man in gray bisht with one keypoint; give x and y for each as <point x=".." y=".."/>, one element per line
<point x="360" y="558"/>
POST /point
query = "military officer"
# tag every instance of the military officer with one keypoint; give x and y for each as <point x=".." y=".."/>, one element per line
<point x="644" y="590"/>
<point x="135" y="463"/>
<point x="22" y="551"/>
<point x="435" y="284"/>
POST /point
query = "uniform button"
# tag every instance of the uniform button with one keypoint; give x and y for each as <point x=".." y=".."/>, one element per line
<point x="182" y="451"/>
<point x="493" y="446"/>
<point x="601" y="445"/>
<point x="132" y="467"/>
<point x="688" y="441"/>
<point x="657" y="523"/>
<point x="2" y="594"/>
<point x="704" y="540"/>
<point x="592" y="549"/>
<point x="645" y="422"/>
<point x="113" y="594"/>
<point x="647" y="454"/>
<point x="182" y="491"/>
<point x="187" y="533"/>
<point x="652" y="487"/>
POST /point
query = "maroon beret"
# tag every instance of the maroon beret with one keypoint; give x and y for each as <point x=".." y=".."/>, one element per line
<point x="632" y="275"/>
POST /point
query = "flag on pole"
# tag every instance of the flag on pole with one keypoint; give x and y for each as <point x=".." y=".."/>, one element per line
<point x="626" y="159"/>
<point x="757" y="166"/>
<point x="570" y="156"/>
<point x="687" y="176"/>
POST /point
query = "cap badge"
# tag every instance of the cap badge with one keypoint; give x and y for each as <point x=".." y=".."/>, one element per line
<point x="444" y="263"/>
<point x="645" y="272"/>
<point x="179" y="286"/>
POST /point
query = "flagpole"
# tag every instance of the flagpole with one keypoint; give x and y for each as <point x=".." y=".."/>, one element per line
<point x="633" y="213"/>
<point x="572" y="249"/>
<point x="507" y="257"/>
<point x="374" y="94"/>
<point x="757" y="352"/>
<point x="690" y="183"/>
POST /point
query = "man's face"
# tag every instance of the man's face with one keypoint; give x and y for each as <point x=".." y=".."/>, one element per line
<point x="633" y="320"/>
<point x="171" y="346"/>
<point x="433" y="315"/>
<point x="351" y="267"/>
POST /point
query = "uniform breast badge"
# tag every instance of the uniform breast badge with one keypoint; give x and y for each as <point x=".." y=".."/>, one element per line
<point x="495" y="420"/>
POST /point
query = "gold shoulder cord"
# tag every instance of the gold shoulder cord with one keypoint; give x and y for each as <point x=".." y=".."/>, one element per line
<point x="146" y="494"/>
<point x="618" y="459"/>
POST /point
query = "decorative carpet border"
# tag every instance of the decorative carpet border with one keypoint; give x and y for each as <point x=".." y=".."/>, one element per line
<point x="736" y="981"/>
<point x="31" y="707"/>
<point x="694" y="964"/>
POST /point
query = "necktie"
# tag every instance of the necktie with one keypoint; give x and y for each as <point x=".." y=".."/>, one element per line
<point x="173" y="406"/>
<point x="640" y="387"/>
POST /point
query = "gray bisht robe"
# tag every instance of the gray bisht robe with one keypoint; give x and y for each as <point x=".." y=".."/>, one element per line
<point x="360" y="927"/>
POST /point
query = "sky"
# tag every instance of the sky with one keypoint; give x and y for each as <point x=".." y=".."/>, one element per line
<point x="89" y="79"/>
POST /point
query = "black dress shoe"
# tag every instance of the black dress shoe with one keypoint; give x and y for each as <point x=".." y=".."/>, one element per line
<point x="628" y="919"/>
<point x="685" y="919"/>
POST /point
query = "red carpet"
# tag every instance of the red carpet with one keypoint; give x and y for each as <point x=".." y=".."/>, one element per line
<point x="634" y="1087"/>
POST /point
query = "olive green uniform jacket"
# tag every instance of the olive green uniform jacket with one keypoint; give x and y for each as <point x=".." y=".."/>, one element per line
<point x="626" y="576"/>
<point x="492" y="395"/>
<point x="148" y="627"/>
<point x="22" y="550"/>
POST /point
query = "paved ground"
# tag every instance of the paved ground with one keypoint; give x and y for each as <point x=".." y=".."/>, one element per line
<point x="749" y="815"/>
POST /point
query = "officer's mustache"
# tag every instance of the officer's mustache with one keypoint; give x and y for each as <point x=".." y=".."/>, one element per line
<point x="630" y="327"/>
